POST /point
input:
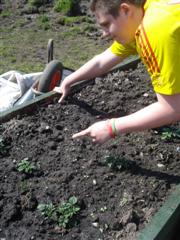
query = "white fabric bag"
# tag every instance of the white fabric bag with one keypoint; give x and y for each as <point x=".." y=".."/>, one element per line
<point x="13" y="85"/>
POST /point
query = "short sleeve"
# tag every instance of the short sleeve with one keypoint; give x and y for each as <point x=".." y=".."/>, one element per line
<point x="123" y="50"/>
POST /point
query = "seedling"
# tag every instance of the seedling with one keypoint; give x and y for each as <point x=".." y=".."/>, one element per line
<point x="47" y="210"/>
<point x="3" y="148"/>
<point x="62" y="214"/>
<point x="170" y="133"/>
<point x="24" y="186"/>
<point x="25" y="166"/>
<point x="124" y="201"/>
<point x="103" y="209"/>
<point x="117" y="163"/>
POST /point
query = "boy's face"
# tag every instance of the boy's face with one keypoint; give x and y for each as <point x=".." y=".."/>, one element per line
<point x="121" y="28"/>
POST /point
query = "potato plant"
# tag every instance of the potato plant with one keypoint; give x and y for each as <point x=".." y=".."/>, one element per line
<point x="170" y="134"/>
<point x="118" y="163"/>
<point x="25" y="166"/>
<point x="62" y="214"/>
<point x="3" y="146"/>
<point x="68" y="7"/>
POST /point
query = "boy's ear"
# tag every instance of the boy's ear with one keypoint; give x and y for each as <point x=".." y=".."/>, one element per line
<point x="125" y="8"/>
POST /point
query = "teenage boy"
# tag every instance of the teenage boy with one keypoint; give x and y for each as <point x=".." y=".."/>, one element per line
<point x="151" y="29"/>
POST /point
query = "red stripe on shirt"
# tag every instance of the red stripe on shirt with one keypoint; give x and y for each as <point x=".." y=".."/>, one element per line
<point x="150" y="49"/>
<point x="146" y="56"/>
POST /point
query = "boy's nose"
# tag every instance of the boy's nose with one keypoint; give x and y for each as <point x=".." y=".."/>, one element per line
<point x="105" y="34"/>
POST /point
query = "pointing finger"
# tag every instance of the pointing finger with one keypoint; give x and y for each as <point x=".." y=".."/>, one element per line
<point x="81" y="134"/>
<point x="62" y="98"/>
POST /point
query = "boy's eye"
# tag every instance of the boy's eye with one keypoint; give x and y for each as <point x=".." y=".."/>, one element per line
<point x="105" y="24"/>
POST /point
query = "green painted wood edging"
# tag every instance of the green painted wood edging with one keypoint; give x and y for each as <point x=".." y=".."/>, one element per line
<point x="31" y="105"/>
<point x="165" y="225"/>
<point x="26" y="107"/>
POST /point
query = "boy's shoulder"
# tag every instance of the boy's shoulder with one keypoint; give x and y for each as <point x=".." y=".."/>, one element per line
<point x="161" y="15"/>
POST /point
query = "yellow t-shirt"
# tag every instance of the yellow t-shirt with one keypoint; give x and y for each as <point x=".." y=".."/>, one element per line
<point x="157" y="41"/>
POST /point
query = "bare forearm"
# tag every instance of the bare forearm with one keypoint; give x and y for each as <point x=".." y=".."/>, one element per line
<point x="97" y="66"/>
<point x="89" y="70"/>
<point x="155" y="115"/>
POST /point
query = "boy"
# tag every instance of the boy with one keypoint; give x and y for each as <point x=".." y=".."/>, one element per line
<point x="151" y="29"/>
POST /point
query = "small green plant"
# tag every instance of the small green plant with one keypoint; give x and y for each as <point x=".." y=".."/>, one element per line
<point x="25" y="166"/>
<point x="103" y="209"/>
<point x="47" y="210"/>
<point x="66" y="211"/>
<point x="24" y="186"/>
<point x="3" y="147"/>
<point x="62" y="214"/>
<point x="117" y="163"/>
<point x="170" y="133"/>
<point x="124" y="201"/>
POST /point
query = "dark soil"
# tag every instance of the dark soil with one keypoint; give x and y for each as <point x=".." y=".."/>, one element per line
<point x="116" y="200"/>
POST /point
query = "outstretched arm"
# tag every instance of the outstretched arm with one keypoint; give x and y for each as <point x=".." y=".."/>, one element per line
<point x="97" y="66"/>
<point x="165" y="111"/>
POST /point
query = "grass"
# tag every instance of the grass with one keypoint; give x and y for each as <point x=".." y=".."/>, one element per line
<point x="26" y="50"/>
<point x="69" y="21"/>
<point x="23" y="47"/>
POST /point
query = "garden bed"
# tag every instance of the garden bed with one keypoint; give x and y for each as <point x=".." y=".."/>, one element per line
<point x="119" y="185"/>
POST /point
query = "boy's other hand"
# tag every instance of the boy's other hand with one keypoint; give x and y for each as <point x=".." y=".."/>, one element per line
<point x="63" y="89"/>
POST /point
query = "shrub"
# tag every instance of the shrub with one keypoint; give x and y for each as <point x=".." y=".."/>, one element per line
<point x="36" y="3"/>
<point x="68" y="7"/>
<point x="63" y="6"/>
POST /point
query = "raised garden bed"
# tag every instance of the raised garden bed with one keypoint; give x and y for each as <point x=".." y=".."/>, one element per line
<point x="166" y="222"/>
<point x="119" y="185"/>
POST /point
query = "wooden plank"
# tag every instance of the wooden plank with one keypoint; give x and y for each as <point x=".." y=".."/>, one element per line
<point x="165" y="222"/>
<point x="27" y="106"/>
